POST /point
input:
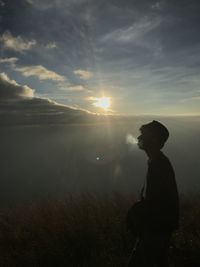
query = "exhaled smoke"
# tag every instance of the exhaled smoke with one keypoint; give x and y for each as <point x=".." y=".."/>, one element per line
<point x="131" y="140"/>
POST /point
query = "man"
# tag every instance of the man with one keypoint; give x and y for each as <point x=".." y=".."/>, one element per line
<point x="159" y="207"/>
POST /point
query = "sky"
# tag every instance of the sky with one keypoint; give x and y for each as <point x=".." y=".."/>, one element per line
<point x="144" y="56"/>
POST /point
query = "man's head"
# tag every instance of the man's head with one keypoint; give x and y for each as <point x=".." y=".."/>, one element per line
<point x="153" y="136"/>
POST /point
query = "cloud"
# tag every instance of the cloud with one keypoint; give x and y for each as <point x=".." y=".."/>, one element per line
<point x="47" y="4"/>
<point x="77" y="88"/>
<point x="51" y="45"/>
<point x="157" y="6"/>
<point x="43" y="4"/>
<point x="17" y="44"/>
<point x="19" y="106"/>
<point x="10" y="89"/>
<point x="132" y="33"/>
<point x="40" y="72"/>
<point x="193" y="98"/>
<point x="91" y="98"/>
<point x="29" y="1"/>
<point x="83" y="74"/>
<point x="10" y="60"/>
<point x="2" y="4"/>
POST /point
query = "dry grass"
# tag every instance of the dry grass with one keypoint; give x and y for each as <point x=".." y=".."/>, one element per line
<point x="86" y="230"/>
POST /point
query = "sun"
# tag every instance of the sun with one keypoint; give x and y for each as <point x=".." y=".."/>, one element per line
<point x="102" y="102"/>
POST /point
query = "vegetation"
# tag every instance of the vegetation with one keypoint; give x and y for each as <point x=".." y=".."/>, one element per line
<point x="87" y="230"/>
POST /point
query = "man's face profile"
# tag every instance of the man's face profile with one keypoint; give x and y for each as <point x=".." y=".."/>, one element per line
<point x="140" y="141"/>
<point x="144" y="140"/>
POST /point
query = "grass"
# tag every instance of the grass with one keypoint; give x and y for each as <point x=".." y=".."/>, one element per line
<point x="87" y="230"/>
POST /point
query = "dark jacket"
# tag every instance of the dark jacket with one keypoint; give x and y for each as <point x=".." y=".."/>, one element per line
<point x="161" y="200"/>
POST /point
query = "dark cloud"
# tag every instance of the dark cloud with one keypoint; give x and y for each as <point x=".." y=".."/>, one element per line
<point x="10" y="89"/>
<point x="18" y="105"/>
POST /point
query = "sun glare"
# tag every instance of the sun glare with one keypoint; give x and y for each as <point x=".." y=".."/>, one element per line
<point x="102" y="102"/>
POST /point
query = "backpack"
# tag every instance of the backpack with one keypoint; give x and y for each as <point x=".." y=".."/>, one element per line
<point x="135" y="217"/>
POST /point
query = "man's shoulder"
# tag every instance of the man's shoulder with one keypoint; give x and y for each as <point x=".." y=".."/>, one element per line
<point x="163" y="158"/>
<point x="159" y="159"/>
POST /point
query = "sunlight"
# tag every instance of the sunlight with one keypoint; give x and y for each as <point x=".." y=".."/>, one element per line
<point x="102" y="102"/>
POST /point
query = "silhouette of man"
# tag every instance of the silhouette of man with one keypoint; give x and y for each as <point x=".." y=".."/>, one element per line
<point x="159" y="211"/>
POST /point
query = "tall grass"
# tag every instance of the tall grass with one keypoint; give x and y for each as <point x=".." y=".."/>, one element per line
<point x="86" y="230"/>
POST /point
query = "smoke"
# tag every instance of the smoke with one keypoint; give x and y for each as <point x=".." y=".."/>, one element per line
<point x="131" y="140"/>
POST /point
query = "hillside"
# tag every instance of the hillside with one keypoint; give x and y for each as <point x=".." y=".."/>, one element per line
<point x="87" y="230"/>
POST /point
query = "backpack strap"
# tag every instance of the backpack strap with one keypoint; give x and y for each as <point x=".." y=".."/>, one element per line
<point x="142" y="191"/>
